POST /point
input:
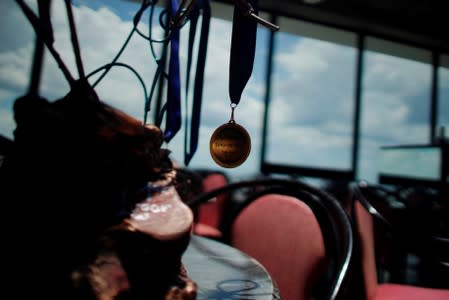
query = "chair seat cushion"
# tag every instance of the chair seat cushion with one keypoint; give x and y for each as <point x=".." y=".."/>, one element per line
<point x="206" y="231"/>
<point x="387" y="291"/>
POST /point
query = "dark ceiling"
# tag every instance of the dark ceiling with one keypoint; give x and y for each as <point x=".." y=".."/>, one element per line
<point x="423" y="23"/>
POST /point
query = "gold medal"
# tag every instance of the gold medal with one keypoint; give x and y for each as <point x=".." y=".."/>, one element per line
<point x="230" y="145"/>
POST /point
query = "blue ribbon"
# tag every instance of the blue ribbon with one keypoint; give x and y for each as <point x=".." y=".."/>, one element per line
<point x="173" y="116"/>
<point x="204" y="6"/>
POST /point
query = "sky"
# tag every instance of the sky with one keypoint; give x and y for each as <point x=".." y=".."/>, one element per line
<point x="310" y="77"/>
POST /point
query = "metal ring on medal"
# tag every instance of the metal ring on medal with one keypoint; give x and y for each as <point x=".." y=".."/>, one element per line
<point x="230" y="145"/>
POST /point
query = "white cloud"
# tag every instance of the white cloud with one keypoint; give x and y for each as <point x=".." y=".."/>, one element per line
<point x="304" y="58"/>
<point x="310" y="79"/>
<point x="307" y="146"/>
<point x="15" y="31"/>
<point x="309" y="82"/>
<point x="13" y="67"/>
<point x="396" y="75"/>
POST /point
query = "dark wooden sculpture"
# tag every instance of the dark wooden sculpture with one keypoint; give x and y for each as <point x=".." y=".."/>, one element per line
<point x="72" y="185"/>
<point x="73" y="180"/>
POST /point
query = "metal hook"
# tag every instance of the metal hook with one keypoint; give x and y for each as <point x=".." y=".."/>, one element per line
<point x="183" y="11"/>
<point x="248" y="10"/>
<point x="264" y="22"/>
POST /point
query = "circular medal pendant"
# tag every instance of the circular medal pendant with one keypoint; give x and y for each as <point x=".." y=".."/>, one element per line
<point x="230" y="145"/>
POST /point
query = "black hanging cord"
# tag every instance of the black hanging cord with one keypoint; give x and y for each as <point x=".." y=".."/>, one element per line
<point x="107" y="67"/>
<point x="191" y="141"/>
<point x="143" y="7"/>
<point x="159" y="71"/>
<point x="33" y="89"/>
<point x="36" y="71"/>
<point x="42" y="27"/>
<point x="169" y="25"/>
<point x="156" y="76"/>
<point x="74" y="38"/>
<point x="159" y="74"/>
<point x="119" y="64"/>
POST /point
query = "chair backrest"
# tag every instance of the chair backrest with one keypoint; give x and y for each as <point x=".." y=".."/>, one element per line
<point x="283" y="234"/>
<point x="365" y="216"/>
<point x="211" y="212"/>
<point x="299" y="233"/>
<point x="366" y="237"/>
<point x="384" y="246"/>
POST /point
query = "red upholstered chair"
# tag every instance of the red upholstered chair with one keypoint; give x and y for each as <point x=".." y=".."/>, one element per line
<point x="210" y="214"/>
<point x="300" y="234"/>
<point x="365" y="215"/>
<point x="283" y="234"/>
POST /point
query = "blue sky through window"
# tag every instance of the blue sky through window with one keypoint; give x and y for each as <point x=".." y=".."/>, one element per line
<point x="395" y="96"/>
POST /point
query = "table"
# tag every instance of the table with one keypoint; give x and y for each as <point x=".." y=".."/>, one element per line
<point x="224" y="272"/>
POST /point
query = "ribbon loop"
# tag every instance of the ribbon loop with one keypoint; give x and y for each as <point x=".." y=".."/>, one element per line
<point x="173" y="116"/>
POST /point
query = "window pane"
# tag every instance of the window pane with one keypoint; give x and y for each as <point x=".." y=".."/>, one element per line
<point x="112" y="21"/>
<point x="102" y="28"/>
<point x="443" y="97"/>
<point x="312" y="102"/>
<point x="395" y="101"/>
